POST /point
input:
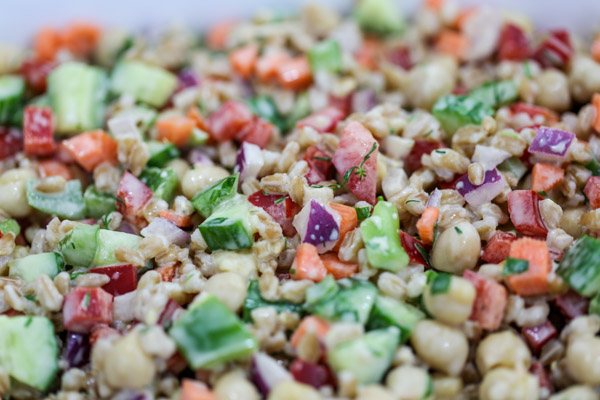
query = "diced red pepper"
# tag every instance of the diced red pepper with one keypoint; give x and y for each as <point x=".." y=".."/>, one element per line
<point x="556" y="51"/>
<point x="592" y="191"/>
<point x="100" y="332"/>
<point x="123" y="278"/>
<point x="413" y="160"/>
<point x="167" y="314"/>
<point x="572" y="304"/>
<point x="532" y="111"/>
<point x="322" y="121"/>
<point x="537" y="369"/>
<point x="11" y="142"/>
<point x="35" y="72"/>
<point x="410" y="246"/>
<point x="490" y="300"/>
<point x="539" y="335"/>
<point x="84" y="308"/>
<point x="282" y="211"/>
<point x="342" y="103"/>
<point x="319" y="169"/>
<point x="38" y="131"/>
<point x="497" y="248"/>
<point x="513" y="43"/>
<point x="311" y="374"/>
<point x="258" y="132"/>
<point x="225" y="123"/>
<point x="450" y="184"/>
<point x="523" y="207"/>
<point x="132" y="196"/>
<point x="400" y="56"/>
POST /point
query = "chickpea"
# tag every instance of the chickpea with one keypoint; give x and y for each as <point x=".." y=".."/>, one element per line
<point x="13" y="191"/>
<point x="201" y="177"/>
<point x="446" y="386"/>
<point x="569" y="221"/>
<point x="584" y="78"/>
<point x="234" y="386"/>
<point x="454" y="306"/>
<point x="578" y="392"/>
<point x="408" y="382"/>
<point x="553" y="90"/>
<point x="374" y="392"/>
<point x="457" y="248"/>
<point x="583" y="359"/>
<point x="442" y="347"/>
<point x="235" y="261"/>
<point x="127" y="366"/>
<point x="291" y="390"/>
<point x="428" y="82"/>
<point x="508" y="384"/>
<point x="502" y="349"/>
<point x="180" y="166"/>
<point x="229" y="287"/>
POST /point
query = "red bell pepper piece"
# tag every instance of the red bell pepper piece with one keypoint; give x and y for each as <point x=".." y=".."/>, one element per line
<point x="410" y="246"/>
<point x="100" y="332"/>
<point x="231" y="118"/>
<point x="401" y="57"/>
<point x="537" y="369"/>
<point x="556" y="51"/>
<point x="38" y="131"/>
<point x="123" y="278"/>
<point x="572" y="304"/>
<point x="311" y="374"/>
<point x="532" y="111"/>
<point x="592" y="191"/>
<point x="523" y="207"/>
<point x="258" y="132"/>
<point x="319" y="169"/>
<point x="490" y="300"/>
<point x="282" y="211"/>
<point x="132" y="196"/>
<point x="84" y="308"/>
<point x="497" y="248"/>
<point x="11" y="142"/>
<point x="413" y="160"/>
<point x="167" y="314"/>
<point x="322" y="121"/>
<point x="513" y="43"/>
<point x="36" y="72"/>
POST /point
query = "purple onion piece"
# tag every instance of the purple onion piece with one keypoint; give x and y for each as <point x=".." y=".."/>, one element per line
<point x="492" y="186"/>
<point x="489" y="157"/>
<point x="266" y="373"/>
<point x="434" y="198"/>
<point x="126" y="227"/>
<point x="249" y="161"/>
<point x="77" y="351"/>
<point x="131" y="395"/>
<point x="198" y="157"/>
<point x="168" y="230"/>
<point x="363" y="100"/>
<point x="551" y="143"/>
<point x="187" y="78"/>
<point x="318" y="225"/>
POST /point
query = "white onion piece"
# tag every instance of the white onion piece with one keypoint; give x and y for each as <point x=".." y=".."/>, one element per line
<point x="167" y="230"/>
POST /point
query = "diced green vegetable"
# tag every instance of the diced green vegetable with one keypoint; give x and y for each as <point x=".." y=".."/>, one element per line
<point x="108" y="241"/>
<point x="595" y="305"/>
<point x="513" y="166"/>
<point x="228" y="227"/>
<point x="265" y="107"/>
<point x="326" y="56"/>
<point x="389" y="312"/>
<point x="29" y="268"/>
<point x="254" y="300"/>
<point x="142" y="116"/>
<point x="98" y="203"/>
<point x="28" y="350"/>
<point x="77" y="93"/>
<point x="580" y="266"/>
<point x="161" y="153"/>
<point x="323" y="290"/>
<point x="10" y="225"/>
<point x="301" y="109"/>
<point x="363" y="212"/>
<point x="198" y="138"/>
<point x="594" y="166"/>
<point x="380" y="234"/>
<point x="12" y="89"/>
<point x="147" y="83"/>
<point x="67" y="204"/>
<point x="78" y="247"/>
<point x="209" y="335"/>
<point x="381" y="17"/>
<point x="162" y="181"/>
<point x="368" y="357"/>
<point x="440" y="283"/>
<point x="496" y="94"/>
<point x="207" y="200"/>
<point x="514" y="266"/>
<point x="454" y="112"/>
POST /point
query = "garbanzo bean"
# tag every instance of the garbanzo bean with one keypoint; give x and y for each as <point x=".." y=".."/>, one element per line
<point x="234" y="386"/>
<point x="578" y="392"/>
<point x="408" y="382"/>
<point x="200" y="178"/>
<point x="502" y="349"/>
<point x="457" y="248"/>
<point x="13" y="191"/>
<point x="291" y="390"/>
<point x="454" y="306"/>
<point x="583" y="359"/>
<point x="229" y="287"/>
<point x="508" y="384"/>
<point x="553" y="90"/>
<point x="442" y="347"/>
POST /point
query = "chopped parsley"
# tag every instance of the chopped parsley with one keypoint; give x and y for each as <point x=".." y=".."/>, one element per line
<point x="411" y="201"/>
<point x="321" y="158"/>
<point x="440" y="151"/>
<point x="513" y="266"/>
<point x="440" y="283"/>
<point x="280" y="200"/>
<point x="30" y="297"/>
<point x="360" y="171"/>
<point x="86" y="300"/>
<point x="457" y="229"/>
<point x="429" y="132"/>
<point x="527" y="67"/>
<point x="76" y="274"/>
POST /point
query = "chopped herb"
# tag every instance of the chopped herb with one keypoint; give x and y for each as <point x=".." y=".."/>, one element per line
<point x="411" y="118"/>
<point x="76" y="274"/>
<point x="527" y="68"/>
<point x="440" y="151"/>
<point x="362" y="212"/>
<point x="285" y="244"/>
<point x="73" y="245"/>
<point x="321" y="158"/>
<point x="424" y="254"/>
<point x="29" y="321"/>
<point x="360" y="171"/>
<point x="264" y="192"/>
<point x="411" y="201"/>
<point x="86" y="300"/>
<point x="190" y="276"/>
<point x="543" y="193"/>
<point x="120" y="200"/>
<point x="440" y="283"/>
<point x="106" y="221"/>
<point x="293" y="271"/>
<point x="318" y="186"/>
<point x="429" y="132"/>
<point x="457" y="229"/>
<point x="30" y="297"/>
<point x="435" y="232"/>
<point x="514" y="266"/>
<point x="280" y="200"/>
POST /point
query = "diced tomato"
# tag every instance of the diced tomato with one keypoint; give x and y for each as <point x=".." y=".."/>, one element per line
<point x="532" y="111"/>
<point x="311" y="374"/>
<point x="356" y="142"/>
<point x="546" y="177"/>
<point x="571" y="304"/>
<point x="38" y="131"/>
<point x="268" y="65"/>
<point x="92" y="148"/>
<point x="176" y="130"/>
<point x="368" y="54"/>
<point x="35" y="73"/>
<point x="592" y="191"/>
<point x="400" y="56"/>
<point x="176" y="364"/>
<point x="322" y="121"/>
<point x="535" y="280"/>
<point x="282" y="211"/>
<point x="339" y="269"/>
<point x="132" y="196"/>
<point x="348" y="222"/>
<point x="11" y="142"/>
<point x="101" y="331"/>
<point x="225" y="123"/>
<point x="307" y="264"/>
<point x="243" y="59"/>
<point x="556" y="51"/>
<point x="539" y="335"/>
<point x="167" y="314"/>
<point x="81" y="38"/>
<point x="409" y="244"/>
<point x="523" y="207"/>
<point x="537" y="369"/>
<point x="258" y="132"/>
<point x="342" y="103"/>
<point x="498" y="247"/>
<point x="53" y="167"/>
<point x="85" y="307"/>
<point x="310" y="323"/>
<point x="294" y="74"/>
<point x="413" y="160"/>
<point x="490" y="301"/>
<point x="123" y="278"/>
<point x="513" y="43"/>
<point x="319" y="169"/>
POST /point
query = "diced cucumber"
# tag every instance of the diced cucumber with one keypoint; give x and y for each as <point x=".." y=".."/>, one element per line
<point x="496" y="94"/>
<point x="254" y="300"/>
<point x="265" y="107"/>
<point x="12" y="89"/>
<point x="207" y="200"/>
<point x="147" y="83"/>
<point x="28" y="350"/>
<point x="389" y="312"/>
<point x="198" y="138"/>
<point x="594" y="166"/>
<point x="326" y="56"/>
<point x="363" y="212"/>
<point x="381" y="17"/>
<point x="323" y="290"/>
<point x="368" y="357"/>
<point x="454" y="112"/>
<point x="77" y="93"/>
<point x="162" y="182"/>
<point x="209" y="335"/>
<point x="29" y="268"/>
<point x="513" y="166"/>
<point x="595" y="305"/>
<point x="580" y="266"/>
<point x="301" y="109"/>
<point x="108" y="241"/>
<point x="78" y="247"/>
<point x="143" y="117"/>
<point x="41" y="101"/>
<point x="98" y="203"/>
<point x="161" y="153"/>
<point x="228" y="227"/>
<point x="68" y="204"/>
<point x="10" y="225"/>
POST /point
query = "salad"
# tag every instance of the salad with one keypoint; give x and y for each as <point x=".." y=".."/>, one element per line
<point x="302" y="207"/>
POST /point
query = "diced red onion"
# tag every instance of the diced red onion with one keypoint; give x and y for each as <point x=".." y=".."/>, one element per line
<point x="318" y="225"/>
<point x="551" y="143"/>
<point x="489" y="157"/>
<point x="363" y="100"/>
<point x="126" y="227"/>
<point x="434" y="198"/>
<point x="198" y="157"/>
<point x="492" y="186"/>
<point x="167" y="230"/>
<point x="266" y="372"/>
<point x="187" y="78"/>
<point x="249" y="161"/>
<point x="77" y="352"/>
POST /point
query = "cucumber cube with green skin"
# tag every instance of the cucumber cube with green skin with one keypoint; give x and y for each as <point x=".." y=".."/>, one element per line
<point x="107" y="243"/>
<point x="326" y="56"/>
<point x="381" y="17"/>
<point x="513" y="166"/>
<point x="147" y="83"/>
<point x="368" y="357"/>
<point x="161" y="153"/>
<point x="12" y="90"/>
<point x="389" y="312"/>
<point x="28" y="350"/>
<point x="326" y="289"/>
<point x="454" y="112"/>
<point x="29" y="268"/>
<point x="580" y="266"/>
<point x="162" y="182"/>
<point x="595" y="305"/>
<point x="79" y="246"/>
<point x="265" y="107"/>
<point x="98" y="203"/>
<point x="68" y="204"/>
<point x="206" y="201"/>
<point x="10" y="225"/>
<point x="254" y="300"/>
<point x="77" y="93"/>
<point x="496" y="94"/>
<point x="198" y="138"/>
<point x="209" y="335"/>
<point x="382" y="242"/>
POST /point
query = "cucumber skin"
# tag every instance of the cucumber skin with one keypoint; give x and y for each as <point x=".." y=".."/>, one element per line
<point x="68" y="204"/>
<point x="206" y="201"/>
<point x="162" y="182"/>
<point x="389" y="312"/>
<point x="580" y="266"/>
<point x="108" y="241"/>
<point x="149" y="84"/>
<point x="161" y="154"/>
<point x="79" y="246"/>
<point x="11" y="104"/>
<point x="29" y="268"/>
<point x="225" y="234"/>
<point x="98" y="203"/>
<point x="254" y="300"/>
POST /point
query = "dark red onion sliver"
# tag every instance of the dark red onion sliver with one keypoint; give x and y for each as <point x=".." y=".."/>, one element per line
<point x="537" y="369"/>
<point x="311" y="374"/>
<point x="572" y="304"/>
<point x="77" y="351"/>
<point x="537" y="336"/>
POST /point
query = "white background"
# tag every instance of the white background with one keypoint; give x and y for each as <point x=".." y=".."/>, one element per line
<point x="20" y="18"/>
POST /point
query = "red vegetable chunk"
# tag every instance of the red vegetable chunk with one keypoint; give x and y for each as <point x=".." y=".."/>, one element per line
<point x="413" y="160"/>
<point x="537" y="369"/>
<point x="556" y="51"/>
<point x="132" y="196"/>
<point x="225" y="123"/>
<point x="532" y="111"/>
<point x="282" y="211"/>
<point x="100" y="332"/>
<point x="167" y="314"/>
<point x="410" y="246"/>
<point x="258" y="132"/>
<point x="490" y="301"/>
<point x="319" y="169"/>
<point x="323" y="121"/>
<point x="539" y="335"/>
<point x="592" y="191"/>
<point x="513" y="43"/>
<point x="400" y="56"/>
<point x="572" y="304"/>
<point x="523" y="207"/>
<point x="123" y="278"/>
<point x="311" y="374"/>
<point x="38" y="129"/>
<point x="36" y="72"/>
<point x="86" y="307"/>
<point x="497" y="248"/>
<point x="11" y="142"/>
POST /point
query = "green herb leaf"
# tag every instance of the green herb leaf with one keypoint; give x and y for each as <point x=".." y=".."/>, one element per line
<point x="280" y="200"/>
<point x="440" y="283"/>
<point x="411" y="201"/>
<point x="293" y="271"/>
<point x="513" y="266"/>
<point x="424" y="254"/>
<point x="440" y="151"/>
<point x="457" y="229"/>
<point x="527" y="67"/>
<point x="86" y="301"/>
<point x="360" y="171"/>
<point x="319" y="186"/>
<point x="30" y="297"/>
<point x="543" y="193"/>
<point x="429" y="132"/>
<point x="321" y="158"/>
<point x="76" y="274"/>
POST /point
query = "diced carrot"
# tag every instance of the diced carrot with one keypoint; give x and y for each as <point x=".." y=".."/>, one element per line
<point x="217" y="36"/>
<point x="176" y="130"/>
<point x="339" y="269"/>
<point x="81" y="38"/>
<point x="295" y="74"/>
<point x="195" y="390"/>
<point x="434" y="5"/>
<point x="452" y="43"/>
<point x="596" y="49"/>
<point x="46" y="44"/>
<point x="367" y="56"/>
<point x="535" y="280"/>
<point x="92" y="148"/>
<point x="167" y="273"/>
<point x="463" y="16"/>
<point x="308" y="264"/>
<point x="243" y="59"/>
<point x="309" y="324"/>
<point x="596" y="103"/>
<point x="195" y="115"/>
<point x="52" y="167"/>
<point x="426" y="224"/>
<point x="181" y="221"/>
<point x="546" y="177"/>
<point x="268" y="65"/>
<point x="348" y="222"/>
